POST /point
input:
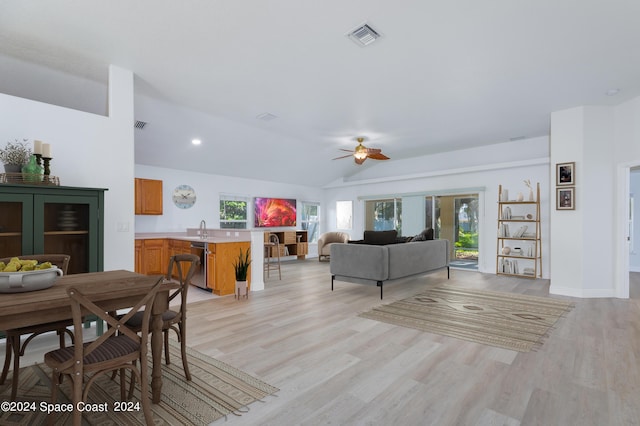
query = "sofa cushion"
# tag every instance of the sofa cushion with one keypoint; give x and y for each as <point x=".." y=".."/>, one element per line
<point x="380" y="237"/>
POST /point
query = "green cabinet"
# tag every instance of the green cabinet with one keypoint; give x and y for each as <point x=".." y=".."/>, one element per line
<point x="38" y="219"/>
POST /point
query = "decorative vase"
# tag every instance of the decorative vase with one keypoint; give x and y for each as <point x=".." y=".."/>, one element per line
<point x="506" y="250"/>
<point x="531" y="195"/>
<point x="32" y="171"/>
<point x="520" y="197"/>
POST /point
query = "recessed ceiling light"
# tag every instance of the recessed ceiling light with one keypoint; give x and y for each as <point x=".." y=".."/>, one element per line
<point x="196" y="141"/>
<point x="612" y="92"/>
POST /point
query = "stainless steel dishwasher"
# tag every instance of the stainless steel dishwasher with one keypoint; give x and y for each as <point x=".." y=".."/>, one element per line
<point x="200" y="277"/>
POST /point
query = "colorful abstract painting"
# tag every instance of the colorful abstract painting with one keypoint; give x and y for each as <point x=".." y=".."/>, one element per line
<point x="271" y="212"/>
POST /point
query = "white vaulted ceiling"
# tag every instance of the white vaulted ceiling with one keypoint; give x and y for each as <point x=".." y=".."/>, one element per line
<point x="443" y="76"/>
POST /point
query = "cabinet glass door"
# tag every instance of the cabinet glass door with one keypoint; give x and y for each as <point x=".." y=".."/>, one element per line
<point x="65" y="225"/>
<point x="15" y="217"/>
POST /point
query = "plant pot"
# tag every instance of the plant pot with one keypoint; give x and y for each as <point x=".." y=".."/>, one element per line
<point x="13" y="172"/>
<point x="242" y="289"/>
<point x="13" y="168"/>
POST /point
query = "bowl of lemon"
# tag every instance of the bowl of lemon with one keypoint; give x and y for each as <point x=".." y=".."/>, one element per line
<point x="21" y="275"/>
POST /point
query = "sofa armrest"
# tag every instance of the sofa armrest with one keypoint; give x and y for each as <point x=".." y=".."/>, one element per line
<point x="360" y="261"/>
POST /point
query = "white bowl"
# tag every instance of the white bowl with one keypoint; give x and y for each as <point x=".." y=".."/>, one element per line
<point x="20" y="282"/>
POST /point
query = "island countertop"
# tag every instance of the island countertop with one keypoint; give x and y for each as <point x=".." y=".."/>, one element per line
<point x="184" y="237"/>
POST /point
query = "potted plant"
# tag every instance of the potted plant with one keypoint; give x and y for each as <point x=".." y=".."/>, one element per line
<point x="15" y="155"/>
<point x="241" y="267"/>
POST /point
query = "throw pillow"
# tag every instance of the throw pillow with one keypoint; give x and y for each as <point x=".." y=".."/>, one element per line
<point x="425" y="235"/>
<point x="380" y="237"/>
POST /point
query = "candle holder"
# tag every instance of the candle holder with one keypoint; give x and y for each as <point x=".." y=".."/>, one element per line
<point x="47" y="170"/>
<point x="38" y="159"/>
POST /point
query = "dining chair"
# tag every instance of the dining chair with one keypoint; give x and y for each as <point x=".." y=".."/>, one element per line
<point x="175" y="319"/>
<point x="118" y="349"/>
<point x="14" y="349"/>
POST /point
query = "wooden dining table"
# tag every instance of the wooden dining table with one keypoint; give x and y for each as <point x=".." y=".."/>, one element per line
<point x="123" y="289"/>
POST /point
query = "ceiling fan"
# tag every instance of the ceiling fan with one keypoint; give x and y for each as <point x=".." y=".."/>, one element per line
<point x="361" y="153"/>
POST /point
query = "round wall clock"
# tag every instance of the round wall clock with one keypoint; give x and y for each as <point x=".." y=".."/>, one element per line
<point x="184" y="197"/>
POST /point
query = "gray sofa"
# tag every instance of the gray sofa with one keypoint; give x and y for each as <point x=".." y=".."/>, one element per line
<point x="376" y="264"/>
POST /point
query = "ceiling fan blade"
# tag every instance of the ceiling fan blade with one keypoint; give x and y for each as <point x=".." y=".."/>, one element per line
<point x="378" y="156"/>
<point x="373" y="151"/>
<point x="347" y="150"/>
<point x="344" y="156"/>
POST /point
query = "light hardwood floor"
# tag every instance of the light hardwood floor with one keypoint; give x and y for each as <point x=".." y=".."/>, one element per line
<point x="333" y="367"/>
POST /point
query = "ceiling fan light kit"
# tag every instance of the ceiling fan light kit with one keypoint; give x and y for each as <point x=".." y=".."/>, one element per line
<point x="361" y="153"/>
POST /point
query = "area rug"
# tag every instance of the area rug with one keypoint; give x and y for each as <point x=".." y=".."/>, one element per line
<point x="505" y="320"/>
<point x="215" y="391"/>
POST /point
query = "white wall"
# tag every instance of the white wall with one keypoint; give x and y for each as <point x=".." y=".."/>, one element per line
<point x="588" y="244"/>
<point x="518" y="161"/>
<point x="208" y="188"/>
<point x="88" y="150"/>
<point x="634" y="257"/>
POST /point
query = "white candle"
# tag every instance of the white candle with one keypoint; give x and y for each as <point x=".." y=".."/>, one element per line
<point x="46" y="150"/>
<point x="37" y="147"/>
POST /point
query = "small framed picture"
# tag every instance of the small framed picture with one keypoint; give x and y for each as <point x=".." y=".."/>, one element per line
<point x="565" y="198"/>
<point x="566" y="174"/>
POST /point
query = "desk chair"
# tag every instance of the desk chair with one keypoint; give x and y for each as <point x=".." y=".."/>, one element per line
<point x="13" y="347"/>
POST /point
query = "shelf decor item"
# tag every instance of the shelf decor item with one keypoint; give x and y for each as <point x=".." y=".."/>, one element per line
<point x="31" y="171"/>
<point x="15" y="155"/>
<point x="528" y="183"/>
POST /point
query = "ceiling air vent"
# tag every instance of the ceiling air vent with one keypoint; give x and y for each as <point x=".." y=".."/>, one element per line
<point x="140" y="124"/>
<point x="266" y="116"/>
<point x="364" y="35"/>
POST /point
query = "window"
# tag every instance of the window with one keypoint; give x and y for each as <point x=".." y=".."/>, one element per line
<point x="344" y="214"/>
<point x="384" y="215"/>
<point x="233" y="212"/>
<point x="310" y="220"/>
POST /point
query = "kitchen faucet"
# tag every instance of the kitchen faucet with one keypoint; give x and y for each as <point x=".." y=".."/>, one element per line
<point x="203" y="229"/>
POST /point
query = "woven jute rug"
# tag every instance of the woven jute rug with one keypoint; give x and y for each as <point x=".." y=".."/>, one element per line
<point x="504" y="320"/>
<point x="215" y="390"/>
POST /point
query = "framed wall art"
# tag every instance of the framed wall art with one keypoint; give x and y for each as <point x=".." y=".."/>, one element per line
<point x="566" y="173"/>
<point x="565" y="198"/>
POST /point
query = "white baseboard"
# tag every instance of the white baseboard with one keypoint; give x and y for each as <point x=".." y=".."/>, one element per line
<point x="581" y="292"/>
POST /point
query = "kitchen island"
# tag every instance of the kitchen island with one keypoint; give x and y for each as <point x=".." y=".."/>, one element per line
<point x="218" y="251"/>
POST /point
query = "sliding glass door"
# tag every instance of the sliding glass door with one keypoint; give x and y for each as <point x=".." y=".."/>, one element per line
<point x="455" y="218"/>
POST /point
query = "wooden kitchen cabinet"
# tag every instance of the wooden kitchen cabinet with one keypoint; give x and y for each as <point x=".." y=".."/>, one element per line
<point x="221" y="277"/>
<point x="148" y="196"/>
<point x="153" y="257"/>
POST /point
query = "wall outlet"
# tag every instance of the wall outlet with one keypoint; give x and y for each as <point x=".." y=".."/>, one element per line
<point x="122" y="227"/>
<point x="228" y="233"/>
<point x="237" y="234"/>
